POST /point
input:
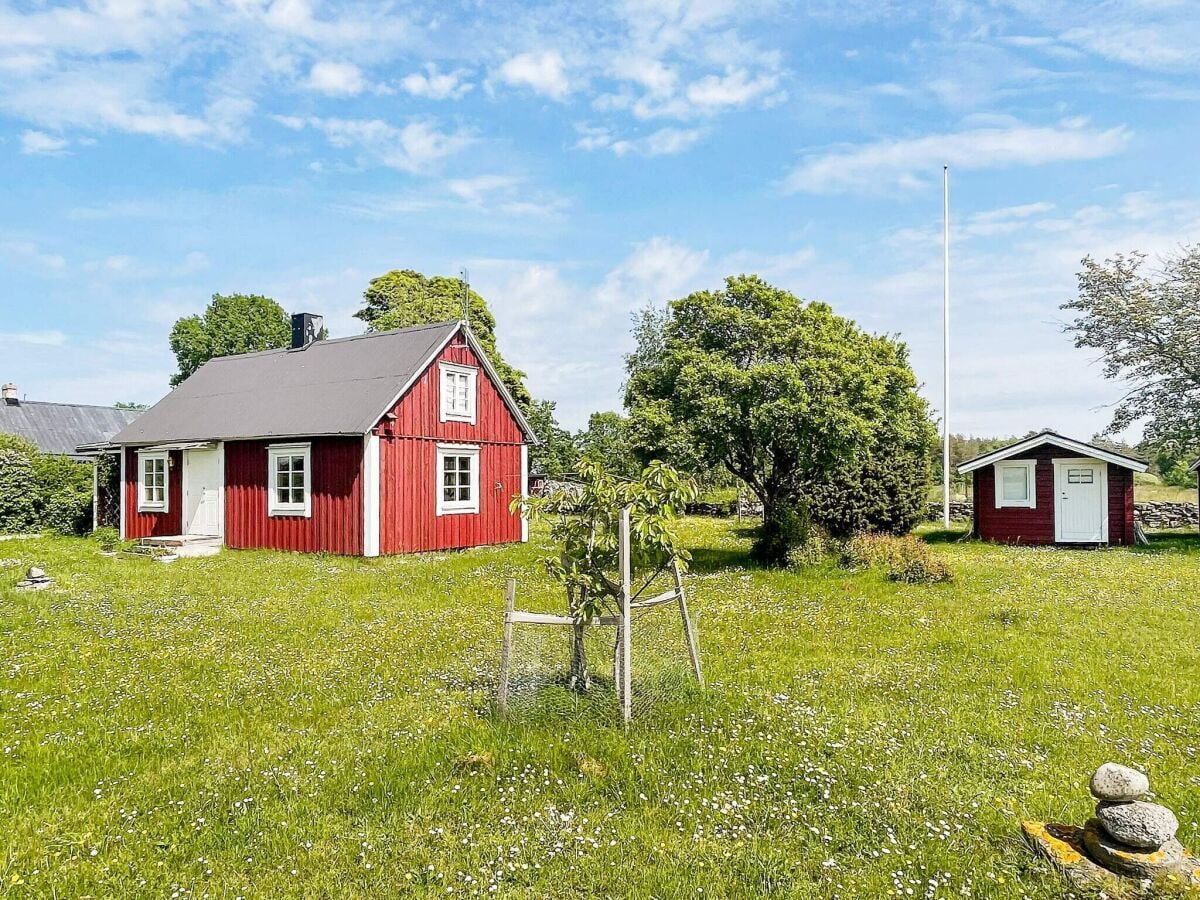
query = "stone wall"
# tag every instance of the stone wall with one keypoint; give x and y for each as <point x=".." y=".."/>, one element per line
<point x="960" y="511"/>
<point x="1150" y="514"/>
<point x="1163" y="514"/>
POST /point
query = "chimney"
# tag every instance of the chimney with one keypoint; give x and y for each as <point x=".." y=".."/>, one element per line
<point x="306" y="328"/>
<point x="9" y="394"/>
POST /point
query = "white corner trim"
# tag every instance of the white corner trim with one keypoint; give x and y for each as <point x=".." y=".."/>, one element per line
<point x="371" y="497"/>
<point x="142" y="504"/>
<point x="1030" y="467"/>
<point x="276" y="509"/>
<point x="121" y="493"/>
<point x="472" y="376"/>
<point x="524" y="492"/>
<point x="221" y="493"/>
<point x="457" y="507"/>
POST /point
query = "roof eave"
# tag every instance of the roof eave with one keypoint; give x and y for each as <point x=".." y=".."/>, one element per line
<point x="1050" y="437"/>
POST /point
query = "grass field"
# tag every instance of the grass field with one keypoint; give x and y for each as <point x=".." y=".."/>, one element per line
<point x="271" y="725"/>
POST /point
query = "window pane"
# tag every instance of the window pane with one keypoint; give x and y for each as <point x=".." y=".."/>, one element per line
<point x="281" y="479"/>
<point x="448" y="479"/>
<point x="283" y="463"/>
<point x="1015" y="484"/>
<point x="281" y="495"/>
<point x="464" y="493"/>
<point x="448" y="464"/>
<point x="448" y="494"/>
<point x="298" y="496"/>
<point x="297" y="463"/>
<point x="464" y="463"/>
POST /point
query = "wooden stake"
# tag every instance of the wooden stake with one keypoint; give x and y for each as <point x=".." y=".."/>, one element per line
<point x="510" y="598"/>
<point x="693" y="650"/>
<point x="626" y="600"/>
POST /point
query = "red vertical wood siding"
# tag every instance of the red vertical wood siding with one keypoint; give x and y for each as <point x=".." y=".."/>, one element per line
<point x="1018" y="525"/>
<point x="409" y="479"/>
<point x="153" y="524"/>
<point x="336" y="523"/>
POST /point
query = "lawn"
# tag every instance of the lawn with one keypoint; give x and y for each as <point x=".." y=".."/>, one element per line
<point x="271" y="725"/>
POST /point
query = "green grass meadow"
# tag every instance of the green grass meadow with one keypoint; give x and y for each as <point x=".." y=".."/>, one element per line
<point x="263" y="724"/>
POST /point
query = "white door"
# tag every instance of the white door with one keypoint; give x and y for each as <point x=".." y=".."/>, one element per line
<point x="1081" y="501"/>
<point x="202" y="492"/>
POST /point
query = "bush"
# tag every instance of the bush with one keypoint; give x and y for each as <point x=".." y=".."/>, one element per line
<point x="905" y="559"/>
<point x="814" y="548"/>
<point x="18" y="492"/>
<point x="107" y="537"/>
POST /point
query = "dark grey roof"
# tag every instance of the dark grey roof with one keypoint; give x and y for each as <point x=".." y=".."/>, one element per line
<point x="335" y="387"/>
<point x="62" y="427"/>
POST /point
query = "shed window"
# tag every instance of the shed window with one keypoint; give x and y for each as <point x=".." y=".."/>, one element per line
<point x="1016" y="484"/>
<point x="153" y="493"/>
<point x="289" y="480"/>
<point x="458" y="392"/>
<point x="457" y="479"/>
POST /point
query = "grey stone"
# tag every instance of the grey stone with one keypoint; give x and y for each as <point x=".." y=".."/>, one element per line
<point x="1168" y="859"/>
<point x="35" y="573"/>
<point x="1114" y="781"/>
<point x="1139" y="824"/>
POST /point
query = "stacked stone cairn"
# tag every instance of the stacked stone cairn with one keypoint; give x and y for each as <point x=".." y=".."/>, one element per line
<point x="35" y="580"/>
<point x="1128" y="838"/>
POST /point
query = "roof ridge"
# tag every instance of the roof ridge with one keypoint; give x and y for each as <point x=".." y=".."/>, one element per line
<point x="84" y="405"/>
<point x="339" y="340"/>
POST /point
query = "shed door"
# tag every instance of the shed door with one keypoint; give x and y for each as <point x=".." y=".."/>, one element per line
<point x="202" y="492"/>
<point x="1081" y="501"/>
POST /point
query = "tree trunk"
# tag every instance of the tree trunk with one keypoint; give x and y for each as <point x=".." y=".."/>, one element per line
<point x="782" y="529"/>
<point x="581" y="677"/>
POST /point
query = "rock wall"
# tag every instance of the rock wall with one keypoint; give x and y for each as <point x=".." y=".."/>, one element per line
<point x="1164" y="514"/>
<point x="1150" y="514"/>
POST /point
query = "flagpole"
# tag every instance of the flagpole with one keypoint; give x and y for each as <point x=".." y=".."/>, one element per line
<point x="946" y="346"/>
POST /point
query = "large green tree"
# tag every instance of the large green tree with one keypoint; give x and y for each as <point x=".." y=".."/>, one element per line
<point x="781" y="392"/>
<point x="1145" y="325"/>
<point x="606" y="441"/>
<point x="556" y="454"/>
<point x="403" y="298"/>
<point x="233" y="323"/>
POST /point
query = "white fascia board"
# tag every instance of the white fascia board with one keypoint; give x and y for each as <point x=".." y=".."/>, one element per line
<point x="1084" y="449"/>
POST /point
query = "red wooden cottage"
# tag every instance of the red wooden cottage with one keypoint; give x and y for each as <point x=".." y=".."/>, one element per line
<point x="389" y="442"/>
<point x="1050" y="489"/>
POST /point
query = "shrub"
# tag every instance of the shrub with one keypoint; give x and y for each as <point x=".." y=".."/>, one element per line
<point x="107" y="537"/>
<point x="905" y="559"/>
<point x="18" y="492"/>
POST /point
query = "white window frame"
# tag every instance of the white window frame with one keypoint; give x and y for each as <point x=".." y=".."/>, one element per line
<point x="155" y="506"/>
<point x="274" y="507"/>
<point x="446" y="403"/>
<point x="456" y="507"/>
<point x="1030" y="468"/>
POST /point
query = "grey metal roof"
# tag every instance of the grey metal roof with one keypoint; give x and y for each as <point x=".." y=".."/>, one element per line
<point x="62" y="427"/>
<point x="334" y="387"/>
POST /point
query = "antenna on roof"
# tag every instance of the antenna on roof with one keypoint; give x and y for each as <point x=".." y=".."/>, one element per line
<point x="466" y="283"/>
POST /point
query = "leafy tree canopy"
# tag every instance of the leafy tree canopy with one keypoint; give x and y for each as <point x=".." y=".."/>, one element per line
<point x="779" y="391"/>
<point x="557" y="454"/>
<point x="403" y="298"/>
<point x="234" y="323"/>
<point x="606" y="441"/>
<point x="1145" y="325"/>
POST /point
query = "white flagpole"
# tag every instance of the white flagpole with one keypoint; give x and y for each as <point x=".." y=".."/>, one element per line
<point x="946" y="346"/>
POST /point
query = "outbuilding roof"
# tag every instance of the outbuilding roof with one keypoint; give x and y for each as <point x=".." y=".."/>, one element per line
<point x="332" y="387"/>
<point x="61" y="427"/>
<point x="1194" y="467"/>
<point x="1083" y="448"/>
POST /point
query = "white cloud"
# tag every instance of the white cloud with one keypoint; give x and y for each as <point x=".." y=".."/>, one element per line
<point x="657" y="270"/>
<point x="735" y="88"/>
<point x="663" y="142"/>
<point x="544" y="73"/>
<point x="415" y="147"/>
<point x="337" y="79"/>
<point x="50" y="338"/>
<point x="30" y="252"/>
<point x="476" y="190"/>
<point x="38" y="143"/>
<point x="913" y="162"/>
<point x="434" y="85"/>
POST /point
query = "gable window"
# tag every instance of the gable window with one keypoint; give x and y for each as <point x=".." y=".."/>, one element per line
<point x="1016" y="483"/>
<point x="153" y="495"/>
<point x="457" y="479"/>
<point x="289" y="480"/>
<point x="458" y="392"/>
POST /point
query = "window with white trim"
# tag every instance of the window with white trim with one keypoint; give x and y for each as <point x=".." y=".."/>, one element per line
<point x="289" y="480"/>
<point x="1016" y="483"/>
<point x="153" y="482"/>
<point x="457" y="479"/>
<point x="458" y="392"/>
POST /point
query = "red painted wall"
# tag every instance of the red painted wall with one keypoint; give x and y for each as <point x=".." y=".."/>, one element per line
<point x="153" y="524"/>
<point x="1017" y="525"/>
<point x="409" y="480"/>
<point x="336" y="523"/>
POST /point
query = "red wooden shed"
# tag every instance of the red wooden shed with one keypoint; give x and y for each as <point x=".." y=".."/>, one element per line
<point x="1051" y="489"/>
<point x="388" y="442"/>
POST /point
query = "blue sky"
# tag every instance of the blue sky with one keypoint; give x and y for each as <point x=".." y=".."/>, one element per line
<point x="582" y="160"/>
